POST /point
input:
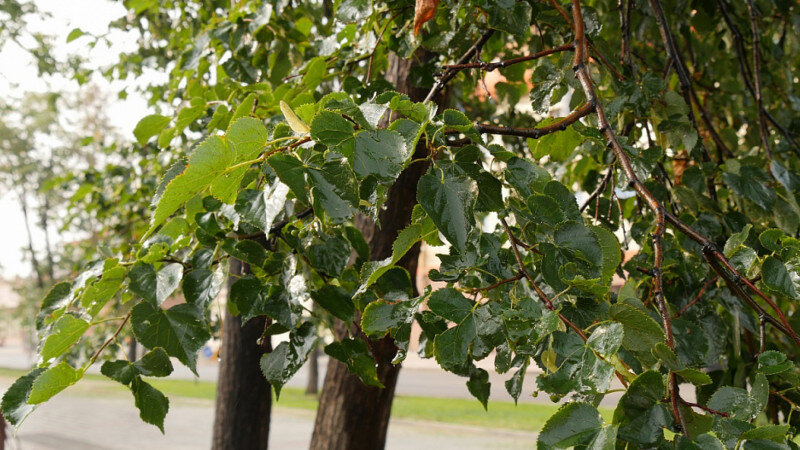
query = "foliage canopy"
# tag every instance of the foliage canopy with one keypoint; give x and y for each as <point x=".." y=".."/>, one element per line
<point x="680" y="144"/>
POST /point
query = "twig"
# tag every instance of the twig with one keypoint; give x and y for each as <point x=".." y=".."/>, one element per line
<point x="762" y="121"/>
<point x="449" y="74"/>
<point x="491" y="66"/>
<point x="699" y="295"/>
<point x="516" y="277"/>
<point x="108" y="341"/>
<point x="705" y="408"/>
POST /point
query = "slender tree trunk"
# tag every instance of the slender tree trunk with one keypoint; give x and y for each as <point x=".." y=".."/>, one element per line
<point x="23" y="203"/>
<point x="351" y="415"/>
<point x="47" y="246"/>
<point x="132" y="349"/>
<point x="313" y="372"/>
<point x="244" y="401"/>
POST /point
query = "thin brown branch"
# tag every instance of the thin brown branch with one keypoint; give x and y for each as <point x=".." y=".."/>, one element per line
<point x="705" y="408"/>
<point x="685" y="80"/>
<point x="762" y="120"/>
<point x="490" y="66"/>
<point x="449" y="74"/>
<point x="535" y="133"/>
<point x="600" y="188"/>
<point x="108" y="341"/>
<point x="516" y="277"/>
<point x="744" y="70"/>
<point x="699" y="295"/>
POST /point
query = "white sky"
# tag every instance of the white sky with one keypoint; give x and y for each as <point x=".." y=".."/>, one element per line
<point x="18" y="75"/>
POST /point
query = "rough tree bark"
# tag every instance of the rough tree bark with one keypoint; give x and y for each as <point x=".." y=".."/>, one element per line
<point x="244" y="401"/>
<point x="351" y="415"/>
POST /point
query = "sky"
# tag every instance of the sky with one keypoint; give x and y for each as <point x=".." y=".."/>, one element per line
<point x="18" y="75"/>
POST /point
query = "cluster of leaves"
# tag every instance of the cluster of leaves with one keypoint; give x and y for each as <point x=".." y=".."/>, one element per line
<point x="298" y="140"/>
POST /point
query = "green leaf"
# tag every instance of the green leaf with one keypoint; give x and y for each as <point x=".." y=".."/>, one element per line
<point x="65" y="332"/>
<point x="448" y="200"/>
<point x="772" y="362"/>
<point x="641" y="331"/>
<point x="514" y="384"/>
<point x="52" y="381"/>
<point x="355" y="353"/>
<point x="639" y="413"/>
<point x="152" y="404"/>
<point x="15" y="405"/>
<point x="451" y="348"/>
<point x="612" y="257"/>
<point x="336" y="301"/>
<point x="260" y="208"/>
<point x="511" y="17"/>
<point x="292" y="172"/>
<point x="380" y="153"/>
<point x="573" y="424"/>
<point x="353" y="10"/>
<point x="479" y="386"/>
<point x="287" y="358"/>
<point x="75" y="34"/>
<point x="208" y="161"/>
<point x="314" y="72"/>
<point x="776" y="277"/>
<point x="59" y="296"/>
<point x="181" y="330"/>
<point x="150" y="126"/>
<point x="695" y="377"/>
<point x="99" y="292"/>
<point x="154" y="286"/>
<point x="334" y="189"/>
<point x="579" y="240"/>
<point x="382" y="316"/>
<point x="559" y="146"/>
<point x="748" y="184"/>
<point x="330" y="256"/>
<point x="732" y="400"/>
<point x="606" y="338"/>
<point x="246" y="137"/>
<point x="605" y="439"/>
<point x="450" y="304"/>
<point x="334" y="131"/>
<point x="201" y="287"/>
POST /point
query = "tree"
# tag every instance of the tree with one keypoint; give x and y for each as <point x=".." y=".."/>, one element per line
<point x="305" y="143"/>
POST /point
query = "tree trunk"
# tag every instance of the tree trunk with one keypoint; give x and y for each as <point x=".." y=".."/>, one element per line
<point x="23" y="203"/>
<point x="351" y="415"/>
<point x="132" y="349"/>
<point x="2" y="432"/>
<point x="244" y="400"/>
<point x="312" y="387"/>
<point x="43" y="220"/>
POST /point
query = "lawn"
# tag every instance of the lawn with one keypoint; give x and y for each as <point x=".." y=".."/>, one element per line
<point x="525" y="416"/>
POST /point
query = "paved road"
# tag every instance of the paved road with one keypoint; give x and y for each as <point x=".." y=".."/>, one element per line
<point x="74" y="422"/>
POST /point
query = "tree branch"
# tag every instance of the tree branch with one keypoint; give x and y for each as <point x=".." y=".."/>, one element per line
<point x="487" y="66"/>
<point x="536" y="133"/>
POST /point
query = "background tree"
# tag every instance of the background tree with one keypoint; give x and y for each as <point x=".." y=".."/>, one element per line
<point x="305" y="143"/>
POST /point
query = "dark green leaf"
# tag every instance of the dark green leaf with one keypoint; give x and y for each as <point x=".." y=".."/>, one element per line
<point x="181" y="330"/>
<point x="449" y="201"/>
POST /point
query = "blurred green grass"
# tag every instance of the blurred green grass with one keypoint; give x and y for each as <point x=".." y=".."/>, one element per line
<point x="523" y="417"/>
